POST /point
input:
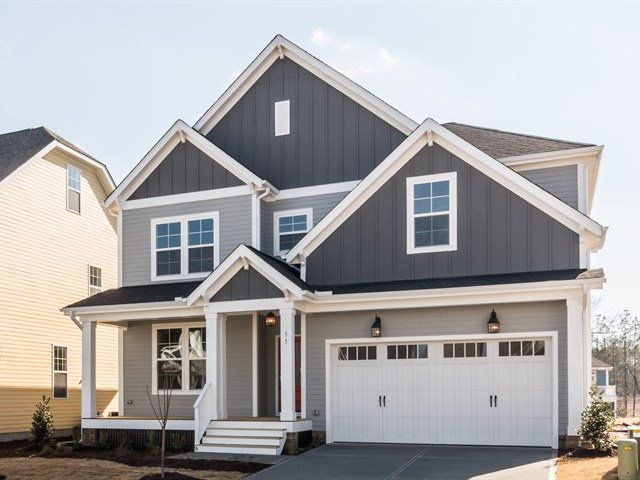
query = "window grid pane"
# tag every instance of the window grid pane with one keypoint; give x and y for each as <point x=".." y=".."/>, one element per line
<point x="74" y="178"/>
<point x="95" y="276"/>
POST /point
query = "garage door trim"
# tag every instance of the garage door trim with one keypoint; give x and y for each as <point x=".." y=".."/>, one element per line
<point x="551" y="335"/>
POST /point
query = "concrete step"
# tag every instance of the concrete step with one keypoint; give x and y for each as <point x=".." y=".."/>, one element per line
<point x="253" y="441"/>
<point x="246" y="449"/>
<point x="254" y="425"/>
<point x="245" y="432"/>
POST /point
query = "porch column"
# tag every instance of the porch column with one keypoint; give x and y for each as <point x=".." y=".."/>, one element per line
<point x="216" y="362"/>
<point x="575" y="363"/>
<point x="88" y="406"/>
<point x="287" y="364"/>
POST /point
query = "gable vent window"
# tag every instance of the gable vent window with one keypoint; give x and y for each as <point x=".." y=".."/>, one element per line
<point x="289" y="228"/>
<point x="431" y="213"/>
<point x="95" y="280"/>
<point x="60" y="389"/>
<point x="74" y="183"/>
<point x="282" y="118"/>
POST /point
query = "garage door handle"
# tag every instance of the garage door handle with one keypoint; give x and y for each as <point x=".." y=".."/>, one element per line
<point x="491" y="400"/>
<point x="384" y="401"/>
<point x="495" y="400"/>
<point x="379" y="400"/>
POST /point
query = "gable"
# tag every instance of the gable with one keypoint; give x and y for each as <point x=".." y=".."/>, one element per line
<point x="332" y="138"/>
<point x="247" y="285"/>
<point x="497" y="232"/>
<point x="185" y="169"/>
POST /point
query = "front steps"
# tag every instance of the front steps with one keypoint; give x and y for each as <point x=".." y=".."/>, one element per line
<point x="253" y="438"/>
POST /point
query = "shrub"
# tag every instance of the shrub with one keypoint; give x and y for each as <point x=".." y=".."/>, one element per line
<point x="597" y="421"/>
<point x="103" y="441"/>
<point x="179" y="441"/>
<point x="42" y="424"/>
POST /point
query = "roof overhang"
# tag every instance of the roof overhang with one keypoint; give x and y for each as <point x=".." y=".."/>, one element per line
<point x="427" y="133"/>
<point x="280" y="47"/>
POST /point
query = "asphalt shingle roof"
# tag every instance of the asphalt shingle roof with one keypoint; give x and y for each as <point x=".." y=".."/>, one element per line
<point x="597" y="363"/>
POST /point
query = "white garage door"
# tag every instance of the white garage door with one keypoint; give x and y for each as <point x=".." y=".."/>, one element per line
<point x="496" y="392"/>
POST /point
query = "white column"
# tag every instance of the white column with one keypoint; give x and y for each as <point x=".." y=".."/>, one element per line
<point x="216" y="362"/>
<point x="88" y="370"/>
<point x="575" y="363"/>
<point x="303" y="365"/>
<point x="586" y="334"/>
<point x="287" y="364"/>
<point x="254" y="364"/>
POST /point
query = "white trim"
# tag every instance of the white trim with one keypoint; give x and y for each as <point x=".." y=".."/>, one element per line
<point x="120" y="235"/>
<point x="54" y="371"/>
<point x="184" y="358"/>
<point x="88" y="387"/>
<point x="303" y="365"/>
<point x="511" y="180"/>
<point x="277" y="374"/>
<point x="324" y="189"/>
<point x="282" y="46"/>
<point x="117" y="423"/>
<point x="121" y="370"/>
<point x="187" y="197"/>
<point x="254" y="364"/>
<point x="452" y="212"/>
<point x="552" y="335"/>
<point x="532" y="158"/>
<point x="184" y="245"/>
<point x="308" y="212"/>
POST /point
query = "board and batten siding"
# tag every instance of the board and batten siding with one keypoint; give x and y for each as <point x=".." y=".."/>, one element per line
<point x="559" y="181"/>
<point x="234" y="229"/>
<point x="247" y="285"/>
<point x="332" y="138"/>
<point x="45" y="266"/>
<point x="522" y="317"/>
<point x="320" y="204"/>
<point x="498" y="232"/>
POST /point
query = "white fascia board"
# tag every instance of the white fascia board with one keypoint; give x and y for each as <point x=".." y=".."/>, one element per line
<point x="504" y="175"/>
<point x="133" y="312"/>
<point x="103" y="173"/>
<point x="169" y="140"/>
<point x="545" y="157"/>
<point x="334" y="78"/>
<point x="187" y="197"/>
<point x="312" y="190"/>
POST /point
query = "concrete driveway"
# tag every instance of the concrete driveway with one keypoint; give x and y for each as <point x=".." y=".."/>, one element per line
<point x="433" y="462"/>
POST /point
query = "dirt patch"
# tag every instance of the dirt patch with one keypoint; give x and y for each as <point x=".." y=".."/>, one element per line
<point x="168" y="476"/>
<point x="587" y="467"/>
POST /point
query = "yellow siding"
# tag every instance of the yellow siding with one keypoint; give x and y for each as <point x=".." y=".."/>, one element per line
<point x="45" y="251"/>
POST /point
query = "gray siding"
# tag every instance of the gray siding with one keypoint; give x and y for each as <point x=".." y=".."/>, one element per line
<point x="235" y="228"/>
<point x="332" y="139"/>
<point x="498" y="232"/>
<point x="247" y="285"/>
<point x="239" y="389"/>
<point x="185" y="169"/>
<point x="321" y="204"/>
<point x="559" y="181"/>
<point x="523" y="317"/>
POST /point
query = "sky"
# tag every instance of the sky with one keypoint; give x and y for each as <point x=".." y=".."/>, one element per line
<point x="112" y="77"/>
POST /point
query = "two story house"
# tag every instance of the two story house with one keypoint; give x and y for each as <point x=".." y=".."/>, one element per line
<point x="58" y="243"/>
<point x="307" y="260"/>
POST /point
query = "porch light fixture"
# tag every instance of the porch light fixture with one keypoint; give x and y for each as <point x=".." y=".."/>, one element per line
<point x="270" y="320"/>
<point x="376" y="327"/>
<point x="493" y="325"/>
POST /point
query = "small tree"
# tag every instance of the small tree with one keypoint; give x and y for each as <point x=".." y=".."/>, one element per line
<point x="161" y="411"/>
<point x="42" y="423"/>
<point x="597" y="421"/>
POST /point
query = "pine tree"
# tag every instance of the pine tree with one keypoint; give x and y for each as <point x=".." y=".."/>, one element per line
<point x="42" y="423"/>
<point x="596" y="423"/>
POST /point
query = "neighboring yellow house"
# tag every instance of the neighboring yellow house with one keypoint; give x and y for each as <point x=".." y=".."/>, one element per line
<point x="58" y="243"/>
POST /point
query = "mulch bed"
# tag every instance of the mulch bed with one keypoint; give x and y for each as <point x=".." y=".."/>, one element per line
<point x="583" y="453"/>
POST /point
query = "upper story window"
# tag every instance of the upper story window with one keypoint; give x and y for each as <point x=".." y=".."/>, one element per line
<point x="431" y="213"/>
<point x="59" y="357"/>
<point x="289" y="227"/>
<point x="282" y="118"/>
<point x="95" y="280"/>
<point x="184" y="247"/>
<point x="74" y="185"/>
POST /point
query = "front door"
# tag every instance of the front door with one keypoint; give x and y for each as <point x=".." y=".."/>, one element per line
<point x="297" y="370"/>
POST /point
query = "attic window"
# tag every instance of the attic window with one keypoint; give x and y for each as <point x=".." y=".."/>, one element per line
<point x="282" y="123"/>
<point x="74" y="184"/>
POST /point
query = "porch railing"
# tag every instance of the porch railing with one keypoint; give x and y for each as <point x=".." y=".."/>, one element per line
<point x="203" y="412"/>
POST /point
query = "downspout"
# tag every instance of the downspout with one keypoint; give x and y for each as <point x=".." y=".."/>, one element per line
<point x="72" y="316"/>
<point x="257" y="217"/>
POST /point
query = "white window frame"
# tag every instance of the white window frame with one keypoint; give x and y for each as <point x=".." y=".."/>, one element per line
<point x="69" y="168"/>
<point x="93" y="289"/>
<point x="184" y="247"/>
<point x="282" y="118"/>
<point x="54" y="371"/>
<point x="452" y="245"/>
<point x="277" y="251"/>
<point x="185" y="356"/>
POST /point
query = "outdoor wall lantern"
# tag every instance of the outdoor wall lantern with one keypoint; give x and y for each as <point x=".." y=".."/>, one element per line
<point x="493" y="325"/>
<point x="270" y="320"/>
<point x="376" y="327"/>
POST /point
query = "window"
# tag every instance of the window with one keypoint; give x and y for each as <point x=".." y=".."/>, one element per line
<point x="74" y="184"/>
<point x="95" y="280"/>
<point x="179" y="357"/>
<point x="281" y="121"/>
<point x="289" y="227"/>
<point x="465" y="350"/>
<point x="402" y="352"/>
<point x="521" y="348"/>
<point x="60" y="372"/>
<point x="431" y="213"/>
<point x="184" y="247"/>
<point x="357" y="352"/>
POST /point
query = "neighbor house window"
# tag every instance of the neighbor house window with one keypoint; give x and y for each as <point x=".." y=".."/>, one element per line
<point x="74" y="184"/>
<point x="60" y="372"/>
<point x="431" y="213"/>
<point x="184" y="247"/>
<point x="289" y="227"/>
<point x="180" y="354"/>
<point x="95" y="280"/>
<point x="282" y="118"/>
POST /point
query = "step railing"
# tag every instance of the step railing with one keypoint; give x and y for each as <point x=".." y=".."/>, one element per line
<point x="203" y="412"/>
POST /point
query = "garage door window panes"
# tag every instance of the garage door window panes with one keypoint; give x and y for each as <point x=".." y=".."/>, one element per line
<point x="465" y="350"/>
<point x="403" y="352"/>
<point x="357" y="352"/>
<point x="521" y="348"/>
